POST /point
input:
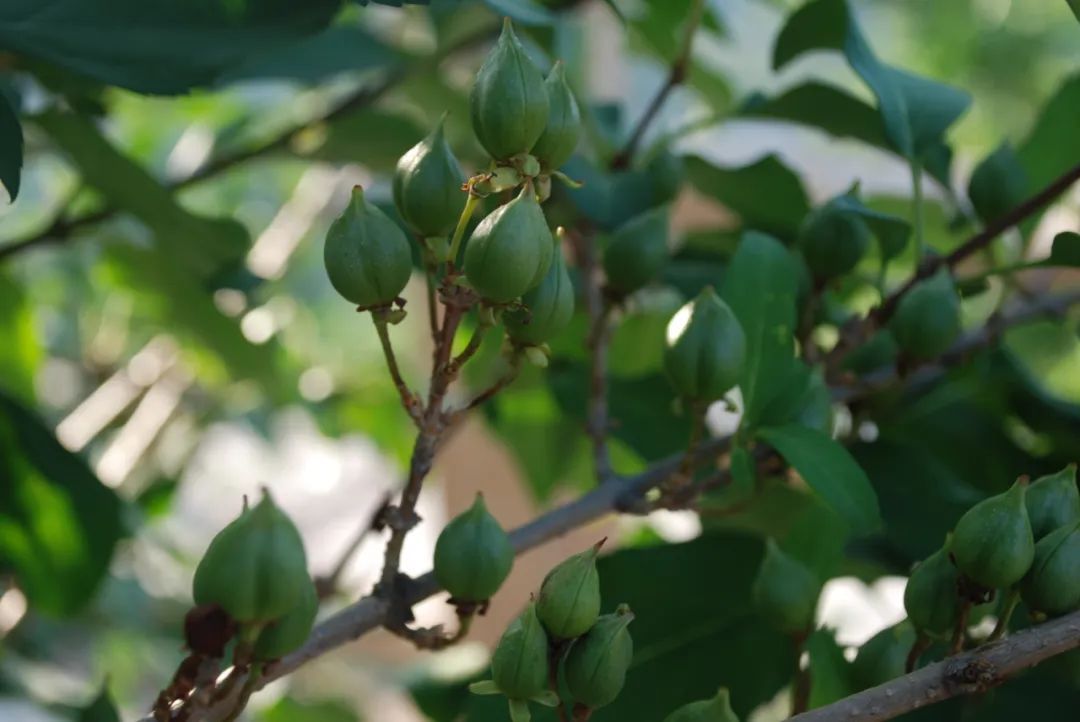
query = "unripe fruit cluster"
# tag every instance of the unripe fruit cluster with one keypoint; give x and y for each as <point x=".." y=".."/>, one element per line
<point x="563" y="629"/>
<point x="255" y="570"/>
<point x="1023" y="541"/>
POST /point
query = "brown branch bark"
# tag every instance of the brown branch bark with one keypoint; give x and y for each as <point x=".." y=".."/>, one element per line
<point x="977" y="671"/>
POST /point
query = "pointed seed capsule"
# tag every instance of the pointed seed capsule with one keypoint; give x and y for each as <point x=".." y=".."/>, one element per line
<point x="291" y="630"/>
<point x="993" y="545"/>
<point x="560" y="136"/>
<point x="833" y="241"/>
<point x="255" y="567"/>
<point x="931" y="598"/>
<point x="637" y="251"/>
<point x="704" y="358"/>
<point x="1052" y="586"/>
<point x="716" y="709"/>
<point x="510" y="250"/>
<point x="473" y="554"/>
<point x="519" y="666"/>
<point x="597" y="662"/>
<point x="1053" y="501"/>
<point x="785" y="591"/>
<point x="548" y="307"/>
<point x="427" y="186"/>
<point x="508" y="102"/>
<point x="367" y="255"/>
<point x="927" y="321"/>
<point x="569" y="601"/>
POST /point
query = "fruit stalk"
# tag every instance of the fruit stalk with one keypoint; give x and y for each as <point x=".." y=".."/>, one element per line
<point x="463" y="223"/>
<point x="1002" y="625"/>
<point x="409" y="400"/>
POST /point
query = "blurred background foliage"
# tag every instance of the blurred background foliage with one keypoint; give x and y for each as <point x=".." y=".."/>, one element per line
<point x="168" y="339"/>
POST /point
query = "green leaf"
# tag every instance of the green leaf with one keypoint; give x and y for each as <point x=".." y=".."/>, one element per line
<point x="11" y="147"/>
<point x="1053" y="144"/>
<point x="998" y="184"/>
<point x="165" y="47"/>
<point x="18" y="337"/>
<point x="766" y="194"/>
<point x="915" y="111"/>
<point x="1050" y="352"/>
<point x="693" y="632"/>
<point x="760" y="286"/>
<point x="202" y="245"/>
<point x="830" y="677"/>
<point x="526" y="12"/>
<point x="661" y="26"/>
<point x="1066" y="250"/>
<point x="830" y="471"/>
<point x="1075" y="5"/>
<point x="822" y="106"/>
<point x="350" y="138"/>
<point x="101" y="709"/>
<point x="319" y="57"/>
<point x="58" y="524"/>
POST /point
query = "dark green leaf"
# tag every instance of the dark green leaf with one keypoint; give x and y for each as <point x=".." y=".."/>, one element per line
<point x="998" y="184"/>
<point x="830" y="672"/>
<point x="822" y="106"/>
<point x="760" y="286"/>
<point x="526" y="12"/>
<point x="11" y="147"/>
<point x="373" y="137"/>
<point x="693" y="632"/>
<point x="101" y="709"/>
<point x="915" y="111"/>
<point x="167" y="46"/>
<point x="1053" y="144"/>
<point x="830" y="471"/>
<point x="335" y="50"/>
<point x="203" y="245"/>
<point x="1066" y="250"/>
<point x="58" y="524"/>
<point x="766" y="194"/>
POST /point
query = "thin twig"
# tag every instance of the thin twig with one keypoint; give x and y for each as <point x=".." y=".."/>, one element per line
<point x="501" y="383"/>
<point x="328" y="584"/>
<point x="412" y="404"/>
<point x="676" y="76"/>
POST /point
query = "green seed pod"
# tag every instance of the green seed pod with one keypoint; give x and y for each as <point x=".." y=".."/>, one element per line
<point x="255" y="568"/>
<point x="1053" y="501"/>
<point x="519" y="666"/>
<point x="427" y="186"/>
<point x="717" y="709"/>
<point x="510" y="250"/>
<point x="291" y="630"/>
<point x="560" y="137"/>
<point x="367" y="255"/>
<point x="832" y="241"/>
<point x="993" y="545"/>
<point x="473" y="555"/>
<point x="884" y="656"/>
<point x="877" y="353"/>
<point x="927" y="321"/>
<point x="548" y="307"/>
<point x="1052" y="586"/>
<point x="597" y="662"/>
<point x="785" y="591"/>
<point x="569" y="601"/>
<point x="509" y="103"/>
<point x="931" y="597"/>
<point x="637" y="251"/>
<point x="705" y="357"/>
